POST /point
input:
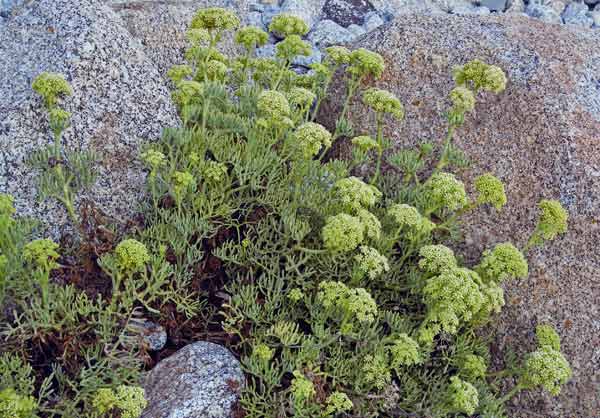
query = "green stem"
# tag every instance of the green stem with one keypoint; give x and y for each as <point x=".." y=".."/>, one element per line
<point x="380" y="150"/>
<point x="444" y="157"/>
<point x="511" y="393"/>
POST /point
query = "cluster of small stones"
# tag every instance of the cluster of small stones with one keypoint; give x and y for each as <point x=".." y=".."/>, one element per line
<point x="342" y="21"/>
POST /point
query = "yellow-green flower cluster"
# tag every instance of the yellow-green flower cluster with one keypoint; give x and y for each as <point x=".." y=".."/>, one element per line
<point x="372" y="225"/>
<point x="352" y="194"/>
<point x="404" y="352"/>
<point x="445" y="191"/>
<point x="215" y="70"/>
<point x="473" y="367"/>
<point x="286" y="25"/>
<point x="547" y="337"/>
<point x="342" y="233"/>
<point x="178" y="73"/>
<point x="410" y="220"/>
<point x="51" y="86"/>
<point x="546" y="367"/>
<point x="302" y="389"/>
<point x="382" y="101"/>
<point x="215" y="18"/>
<point x="251" y="37"/>
<point x="273" y="105"/>
<point x="365" y="143"/>
<point x="338" y="55"/>
<point x="354" y="304"/>
<point x="42" y="253"/>
<point x="504" y="262"/>
<point x="452" y="297"/>
<point x="493" y="301"/>
<point x="337" y="403"/>
<point x="479" y="75"/>
<point x="188" y="92"/>
<point x="198" y="36"/>
<point x="214" y="172"/>
<point x="262" y="352"/>
<point x="128" y="400"/>
<point x="376" y="371"/>
<point x="12" y="405"/>
<point x="310" y="137"/>
<point x="462" y="396"/>
<point x="58" y="119"/>
<point x="295" y="295"/>
<point x="490" y="190"/>
<point x="291" y="47"/>
<point x="463" y="100"/>
<point x="370" y="263"/>
<point x="553" y="219"/>
<point x="154" y="159"/>
<point x="363" y="63"/>
<point x="6" y="204"/>
<point x="182" y="180"/>
<point x="301" y="97"/>
<point x="131" y="256"/>
<point x="436" y="259"/>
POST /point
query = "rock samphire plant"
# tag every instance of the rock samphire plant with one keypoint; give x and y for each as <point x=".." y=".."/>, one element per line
<point x="339" y="292"/>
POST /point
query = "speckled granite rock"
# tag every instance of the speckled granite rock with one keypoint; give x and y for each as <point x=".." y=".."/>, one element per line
<point x="199" y="381"/>
<point x="119" y="101"/>
<point x="542" y="138"/>
<point x="160" y="26"/>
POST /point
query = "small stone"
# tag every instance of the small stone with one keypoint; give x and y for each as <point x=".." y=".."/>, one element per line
<point x="327" y="32"/>
<point x="544" y="13"/>
<point x="201" y="380"/>
<point x="255" y="19"/>
<point x="494" y="5"/>
<point x="516" y="6"/>
<point x="373" y="21"/>
<point x="578" y="14"/>
<point x="347" y="12"/>
<point x="470" y="10"/>
<point x="306" y="62"/>
<point x="266" y="51"/>
<point x="154" y="336"/>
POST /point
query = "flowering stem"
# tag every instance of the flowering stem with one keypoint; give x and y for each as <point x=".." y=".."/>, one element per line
<point x="380" y="149"/>
<point x="511" y="393"/>
<point x="444" y="157"/>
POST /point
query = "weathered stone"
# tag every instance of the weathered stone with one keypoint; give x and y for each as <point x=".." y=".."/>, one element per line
<point x="306" y="62"/>
<point x="327" y="32"/>
<point x="578" y="14"/>
<point x="541" y="137"/>
<point x="397" y="7"/>
<point x="494" y="5"/>
<point x="160" y="27"/>
<point x="309" y="10"/>
<point x="470" y="9"/>
<point x="356" y="30"/>
<point x="373" y="21"/>
<point x="201" y="380"/>
<point x="516" y="6"/>
<point x="347" y="12"/>
<point x="543" y="12"/>
<point x="119" y="101"/>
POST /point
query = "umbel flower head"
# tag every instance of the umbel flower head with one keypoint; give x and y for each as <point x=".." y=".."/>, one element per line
<point x="545" y="367"/>
<point x="375" y="370"/>
<point x="404" y="352"/>
<point x="490" y="190"/>
<point x="547" y="336"/>
<point x="128" y="400"/>
<point x="436" y="259"/>
<point x="363" y="63"/>
<point x="553" y="219"/>
<point x="479" y="75"/>
<point x="178" y="73"/>
<point x="463" y="100"/>
<point x="462" y="396"/>
<point x="338" y="55"/>
<point x="371" y="224"/>
<point x="51" y="86"/>
<point x="302" y="389"/>
<point x="42" y="253"/>
<point x="365" y="143"/>
<point x="309" y="138"/>
<point x="504" y="262"/>
<point x="301" y="97"/>
<point x="273" y="105"/>
<point x="473" y="367"/>
<point x="6" y="204"/>
<point x="131" y="256"/>
<point x="348" y="304"/>
<point x="188" y="92"/>
<point x="445" y="191"/>
<point x="214" y="172"/>
<point x="59" y="120"/>
<point x="382" y="101"/>
<point x="291" y="47"/>
<point x="12" y="405"/>
<point x="493" y="301"/>
<point x="251" y="37"/>
<point x="215" y="70"/>
<point x="262" y="352"/>
<point x="352" y="194"/>
<point x="342" y="233"/>
<point x="215" y="18"/>
<point x="337" y="403"/>
<point x="370" y="263"/>
<point x="154" y="159"/>
<point x="286" y="25"/>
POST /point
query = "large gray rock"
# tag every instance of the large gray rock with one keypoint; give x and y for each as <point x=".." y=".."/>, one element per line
<point x="119" y="101"/>
<point x="309" y="10"/>
<point x="160" y="26"/>
<point x="541" y="137"/>
<point x="327" y="32"/>
<point x="201" y="380"/>
<point x="578" y="14"/>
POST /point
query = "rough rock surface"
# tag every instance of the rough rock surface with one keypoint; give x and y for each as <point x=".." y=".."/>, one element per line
<point x="119" y="101"/>
<point x="542" y="138"/>
<point x="160" y="26"/>
<point x="198" y="381"/>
